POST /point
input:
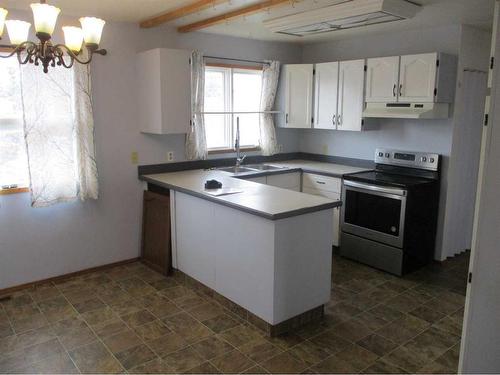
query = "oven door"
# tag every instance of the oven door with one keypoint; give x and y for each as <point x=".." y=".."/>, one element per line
<point x="374" y="212"/>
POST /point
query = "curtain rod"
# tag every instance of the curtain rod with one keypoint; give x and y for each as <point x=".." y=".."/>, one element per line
<point x="241" y="60"/>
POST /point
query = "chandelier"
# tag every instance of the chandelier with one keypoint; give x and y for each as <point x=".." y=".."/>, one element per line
<point x="44" y="52"/>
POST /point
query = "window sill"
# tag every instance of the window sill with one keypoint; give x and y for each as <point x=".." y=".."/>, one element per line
<point x="231" y="150"/>
<point x="14" y="190"/>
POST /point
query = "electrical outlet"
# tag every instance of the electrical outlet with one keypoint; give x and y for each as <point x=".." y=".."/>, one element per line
<point x="134" y="157"/>
<point x="280" y="148"/>
<point x="170" y="156"/>
<point x="324" y="149"/>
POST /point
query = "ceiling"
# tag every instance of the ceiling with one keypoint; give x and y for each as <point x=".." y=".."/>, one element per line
<point x="434" y="13"/>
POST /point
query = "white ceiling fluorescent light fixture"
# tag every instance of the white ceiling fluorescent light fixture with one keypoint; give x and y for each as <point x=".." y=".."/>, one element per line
<point x="347" y="15"/>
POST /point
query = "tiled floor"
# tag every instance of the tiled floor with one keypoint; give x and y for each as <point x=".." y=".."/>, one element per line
<point x="131" y="319"/>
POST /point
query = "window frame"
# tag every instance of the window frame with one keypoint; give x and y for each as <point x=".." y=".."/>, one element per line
<point x="19" y="189"/>
<point x="229" y="101"/>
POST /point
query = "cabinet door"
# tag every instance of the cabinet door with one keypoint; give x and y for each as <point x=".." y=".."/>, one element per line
<point x="298" y="92"/>
<point x="382" y="78"/>
<point x="336" y="210"/>
<point x="156" y="241"/>
<point x="417" y="78"/>
<point x="351" y="95"/>
<point x="326" y="84"/>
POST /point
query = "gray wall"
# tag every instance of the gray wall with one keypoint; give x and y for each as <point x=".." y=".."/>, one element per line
<point x="428" y="135"/>
<point x="44" y="242"/>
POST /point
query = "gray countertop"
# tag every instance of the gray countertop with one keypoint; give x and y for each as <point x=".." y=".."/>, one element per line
<point x="262" y="200"/>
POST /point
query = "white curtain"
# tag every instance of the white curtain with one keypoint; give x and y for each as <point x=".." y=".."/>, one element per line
<point x="196" y="140"/>
<point x="59" y="132"/>
<point x="270" y="76"/>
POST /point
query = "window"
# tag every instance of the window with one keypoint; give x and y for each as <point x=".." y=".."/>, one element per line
<point x="230" y="90"/>
<point x="13" y="157"/>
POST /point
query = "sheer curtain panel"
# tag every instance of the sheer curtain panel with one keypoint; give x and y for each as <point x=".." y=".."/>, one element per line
<point x="270" y="76"/>
<point x="59" y="133"/>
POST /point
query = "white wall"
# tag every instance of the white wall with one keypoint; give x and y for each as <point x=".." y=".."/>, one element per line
<point x="429" y="135"/>
<point x="45" y="242"/>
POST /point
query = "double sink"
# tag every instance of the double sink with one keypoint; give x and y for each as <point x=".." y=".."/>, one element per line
<point x="250" y="168"/>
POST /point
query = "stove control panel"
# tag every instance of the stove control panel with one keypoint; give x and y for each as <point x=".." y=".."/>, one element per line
<point x="419" y="160"/>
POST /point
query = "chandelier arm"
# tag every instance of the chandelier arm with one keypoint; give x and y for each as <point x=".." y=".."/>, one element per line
<point x="74" y="56"/>
<point x="28" y="46"/>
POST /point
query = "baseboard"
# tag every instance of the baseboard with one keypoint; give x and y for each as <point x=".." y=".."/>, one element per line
<point x="6" y="291"/>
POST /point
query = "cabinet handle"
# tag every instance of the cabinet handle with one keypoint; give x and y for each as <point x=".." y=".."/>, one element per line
<point x="401" y="90"/>
<point x="339" y="120"/>
<point x="394" y="90"/>
<point x="286" y="118"/>
<point x="333" y="120"/>
<point x="321" y="182"/>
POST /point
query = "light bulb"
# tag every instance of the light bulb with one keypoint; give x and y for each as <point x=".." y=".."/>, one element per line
<point x="45" y="17"/>
<point x="3" y="14"/>
<point x="73" y="37"/>
<point x="92" y="29"/>
<point x="18" y="31"/>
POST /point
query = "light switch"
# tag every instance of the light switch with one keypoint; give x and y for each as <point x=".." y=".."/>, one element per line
<point x="134" y="157"/>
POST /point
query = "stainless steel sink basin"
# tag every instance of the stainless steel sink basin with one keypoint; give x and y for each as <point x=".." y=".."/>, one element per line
<point x="263" y="167"/>
<point x="236" y="170"/>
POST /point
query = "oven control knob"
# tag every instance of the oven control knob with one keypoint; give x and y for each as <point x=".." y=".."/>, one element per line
<point x="387" y="155"/>
<point x="424" y="159"/>
<point x="431" y="160"/>
<point x="381" y="154"/>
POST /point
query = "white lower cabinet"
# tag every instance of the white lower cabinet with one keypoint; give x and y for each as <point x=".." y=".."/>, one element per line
<point x="328" y="187"/>
<point x="290" y="181"/>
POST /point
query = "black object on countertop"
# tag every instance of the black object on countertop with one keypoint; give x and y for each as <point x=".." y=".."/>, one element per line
<point x="213" y="184"/>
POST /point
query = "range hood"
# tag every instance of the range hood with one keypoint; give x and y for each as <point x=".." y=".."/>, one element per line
<point x="407" y="110"/>
<point x="347" y="15"/>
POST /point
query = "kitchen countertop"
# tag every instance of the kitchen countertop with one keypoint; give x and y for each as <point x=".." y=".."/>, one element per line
<point x="262" y="200"/>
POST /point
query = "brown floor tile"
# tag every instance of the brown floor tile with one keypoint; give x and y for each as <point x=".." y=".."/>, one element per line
<point x="450" y="325"/>
<point x="432" y="343"/>
<point x="405" y="359"/>
<point x="165" y="283"/>
<point x="240" y="335"/>
<point x="99" y="316"/>
<point x="56" y="309"/>
<point x="371" y="321"/>
<point x="207" y="310"/>
<point x="60" y="363"/>
<point x="95" y="358"/>
<point x="255" y="370"/>
<point x="176" y="292"/>
<point x="340" y="312"/>
<point x="333" y="365"/>
<point x="308" y="352"/>
<point x="43" y="292"/>
<point x="443" y="306"/>
<point x="189" y="301"/>
<point x="362" y="302"/>
<point x="360" y="358"/>
<point x="204" y="368"/>
<point x="127" y="307"/>
<point x="138" y="318"/>
<point x="73" y="333"/>
<point x="435" y="368"/>
<point x="135" y="356"/>
<point x="450" y="358"/>
<point x="352" y="330"/>
<point x="29" y="355"/>
<point x="5" y="330"/>
<point x="429" y="315"/>
<point x="212" y="347"/>
<point x="122" y="341"/>
<point x="183" y="359"/>
<point x="80" y="295"/>
<point x="356" y="285"/>
<point x="26" y="324"/>
<point x="22" y="311"/>
<point x="232" y="362"/>
<point x="220" y="323"/>
<point x="163" y="308"/>
<point x="382" y="367"/>
<point x="152" y="330"/>
<point x="311" y="330"/>
<point x="330" y="342"/>
<point x="155" y="366"/>
<point x="187" y="327"/>
<point x="109" y="328"/>
<point x="377" y="344"/>
<point x="380" y="293"/>
<point x="167" y="344"/>
<point x="260" y="350"/>
<point x="286" y="340"/>
<point x="385" y="313"/>
<point x="403" y="329"/>
<point x="403" y="303"/>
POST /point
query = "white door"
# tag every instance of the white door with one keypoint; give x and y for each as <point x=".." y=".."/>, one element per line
<point x="417" y="78"/>
<point x="298" y="95"/>
<point x="326" y="84"/>
<point x="382" y="79"/>
<point x="351" y="95"/>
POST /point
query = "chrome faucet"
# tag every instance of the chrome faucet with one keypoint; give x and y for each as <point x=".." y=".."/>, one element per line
<point x="239" y="158"/>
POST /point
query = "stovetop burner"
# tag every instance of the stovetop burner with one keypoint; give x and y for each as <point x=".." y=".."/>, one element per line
<point x="387" y="179"/>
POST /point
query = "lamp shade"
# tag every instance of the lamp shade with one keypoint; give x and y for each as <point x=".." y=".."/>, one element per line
<point x="92" y="29"/>
<point x="45" y="17"/>
<point x="3" y="14"/>
<point x="73" y="38"/>
<point x="18" y="31"/>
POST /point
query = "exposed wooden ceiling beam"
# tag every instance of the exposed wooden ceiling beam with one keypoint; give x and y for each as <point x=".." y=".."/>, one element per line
<point x="194" y="7"/>
<point x="251" y="9"/>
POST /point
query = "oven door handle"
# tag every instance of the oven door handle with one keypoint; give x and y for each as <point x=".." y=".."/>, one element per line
<point x="380" y="189"/>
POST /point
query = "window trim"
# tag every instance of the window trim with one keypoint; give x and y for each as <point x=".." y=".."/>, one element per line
<point x="229" y="96"/>
<point x="17" y="190"/>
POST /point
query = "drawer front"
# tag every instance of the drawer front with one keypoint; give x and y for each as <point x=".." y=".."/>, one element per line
<point x="285" y="180"/>
<point x="320" y="182"/>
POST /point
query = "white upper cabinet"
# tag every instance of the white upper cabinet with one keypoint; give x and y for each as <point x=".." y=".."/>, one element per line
<point x="164" y="91"/>
<point x="382" y="79"/>
<point x="326" y="95"/>
<point x="298" y="95"/>
<point x="351" y="95"/>
<point x="418" y="78"/>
